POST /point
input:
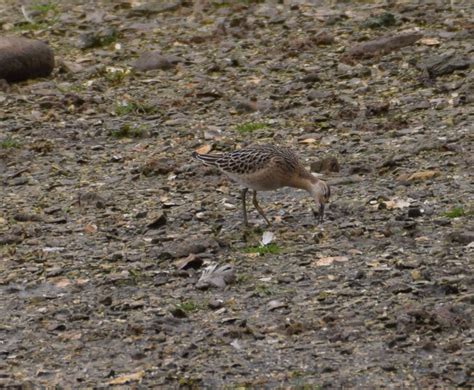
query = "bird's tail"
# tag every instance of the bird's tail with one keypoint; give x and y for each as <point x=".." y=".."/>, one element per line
<point x="208" y="159"/>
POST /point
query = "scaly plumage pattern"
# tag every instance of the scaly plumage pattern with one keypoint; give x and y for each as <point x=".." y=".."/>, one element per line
<point x="266" y="168"/>
<point x="252" y="159"/>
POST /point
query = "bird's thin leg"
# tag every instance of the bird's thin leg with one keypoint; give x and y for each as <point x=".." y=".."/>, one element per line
<point x="321" y="213"/>
<point x="244" y="206"/>
<point x="259" y="209"/>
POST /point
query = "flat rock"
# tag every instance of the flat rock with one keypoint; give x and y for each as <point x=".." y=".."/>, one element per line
<point x="380" y="46"/>
<point x="447" y="63"/>
<point x="158" y="221"/>
<point x="327" y="164"/>
<point x="152" y="8"/>
<point x="461" y="237"/>
<point x="155" y="60"/>
<point x="193" y="245"/>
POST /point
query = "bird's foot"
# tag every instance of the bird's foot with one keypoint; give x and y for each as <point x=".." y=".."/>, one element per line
<point x="319" y="216"/>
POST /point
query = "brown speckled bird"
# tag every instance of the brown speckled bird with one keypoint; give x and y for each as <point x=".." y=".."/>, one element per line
<point x="267" y="168"/>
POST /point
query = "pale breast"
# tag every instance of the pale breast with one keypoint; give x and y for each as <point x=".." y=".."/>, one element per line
<point x="259" y="181"/>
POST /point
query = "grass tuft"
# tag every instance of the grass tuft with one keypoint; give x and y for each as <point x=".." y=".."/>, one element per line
<point x="249" y="127"/>
<point x="127" y="131"/>
<point x="132" y="107"/>
<point x="189" y="306"/>
<point x="384" y="20"/>
<point x="44" y="8"/>
<point x="455" y="212"/>
<point x="264" y="290"/>
<point x="9" y="143"/>
<point x="46" y="13"/>
<point x="116" y="78"/>
<point x="271" y="248"/>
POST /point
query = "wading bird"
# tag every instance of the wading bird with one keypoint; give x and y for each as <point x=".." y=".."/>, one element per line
<point x="267" y="168"/>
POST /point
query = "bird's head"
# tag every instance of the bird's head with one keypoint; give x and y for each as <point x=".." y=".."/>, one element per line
<point x="321" y="192"/>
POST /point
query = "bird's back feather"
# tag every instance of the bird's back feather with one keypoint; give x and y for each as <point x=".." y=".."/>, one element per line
<point x="252" y="159"/>
<point x="208" y="159"/>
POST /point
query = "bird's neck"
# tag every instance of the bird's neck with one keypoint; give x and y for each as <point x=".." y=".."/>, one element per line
<point x="304" y="181"/>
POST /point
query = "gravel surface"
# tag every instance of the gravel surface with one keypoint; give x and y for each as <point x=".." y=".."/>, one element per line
<point x="124" y="262"/>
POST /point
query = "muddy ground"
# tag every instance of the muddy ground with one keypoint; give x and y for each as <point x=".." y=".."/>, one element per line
<point x="107" y="224"/>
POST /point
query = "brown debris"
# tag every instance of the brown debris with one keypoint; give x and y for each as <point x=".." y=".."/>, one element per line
<point x="22" y="59"/>
<point x="157" y="166"/>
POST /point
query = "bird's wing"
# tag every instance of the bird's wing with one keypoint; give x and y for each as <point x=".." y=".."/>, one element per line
<point x="245" y="161"/>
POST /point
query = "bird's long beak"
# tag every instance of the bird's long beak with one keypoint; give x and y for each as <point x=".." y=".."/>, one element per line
<point x="319" y="215"/>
